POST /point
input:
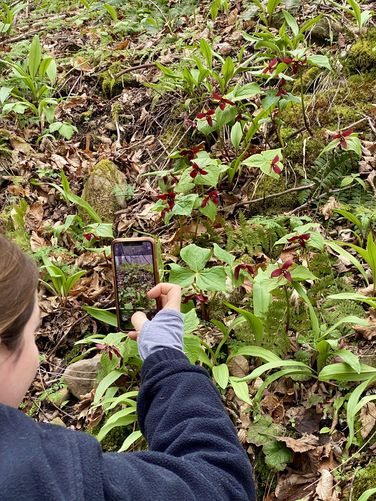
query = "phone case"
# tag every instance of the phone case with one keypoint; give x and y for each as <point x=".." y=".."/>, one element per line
<point x="155" y="270"/>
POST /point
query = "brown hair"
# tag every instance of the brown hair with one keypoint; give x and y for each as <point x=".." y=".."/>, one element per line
<point x="18" y="283"/>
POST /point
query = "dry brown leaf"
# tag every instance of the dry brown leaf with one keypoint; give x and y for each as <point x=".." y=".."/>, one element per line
<point x="367" y="419"/>
<point x="294" y="487"/>
<point x="327" y="209"/>
<point x="368" y="331"/>
<point x="325" y="487"/>
<point x="36" y="242"/>
<point x="303" y="444"/>
<point x="34" y="216"/>
<point x="238" y="366"/>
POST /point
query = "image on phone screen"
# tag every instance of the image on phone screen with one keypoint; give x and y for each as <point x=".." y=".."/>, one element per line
<point x="134" y="275"/>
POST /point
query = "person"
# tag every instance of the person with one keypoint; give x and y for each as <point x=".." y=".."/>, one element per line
<point x="194" y="453"/>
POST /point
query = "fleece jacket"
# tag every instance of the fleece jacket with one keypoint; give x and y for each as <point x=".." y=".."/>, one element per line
<point x="194" y="453"/>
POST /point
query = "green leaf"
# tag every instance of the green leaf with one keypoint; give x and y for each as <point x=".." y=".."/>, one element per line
<point x="207" y="52"/>
<point x="130" y="440"/>
<point x="343" y="372"/>
<point x="354" y="296"/>
<point x="184" y="204"/>
<point x="223" y="255"/>
<point x="102" y="230"/>
<point x="195" y="257"/>
<point x="277" y="455"/>
<point x="319" y="60"/>
<point x="221" y="375"/>
<point x="291" y="21"/>
<point x="112" y="11"/>
<point x="342" y="252"/>
<point x="254" y="351"/>
<point x="367" y="494"/>
<point x="228" y="69"/>
<point x="194" y="351"/>
<point x="105" y="316"/>
<point x="241" y="390"/>
<point x="236" y="134"/>
<point x="264" y="160"/>
<point x="106" y="382"/>
<point x="301" y="273"/>
<point x="121" y="421"/>
<point x="212" y="279"/>
<point x="349" y="358"/>
<point x="354" y="144"/>
<point x="191" y="321"/>
<point x="246" y="91"/>
<point x="181" y="276"/>
<point x="4" y="93"/>
<point x="35" y="55"/>
<point x="254" y="322"/>
<point x="210" y="210"/>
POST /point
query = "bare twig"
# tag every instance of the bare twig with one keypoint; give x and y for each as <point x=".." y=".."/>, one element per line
<point x="275" y="195"/>
<point x="133" y="68"/>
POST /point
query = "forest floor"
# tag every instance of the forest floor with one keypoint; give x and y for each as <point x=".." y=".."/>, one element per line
<point x="243" y="139"/>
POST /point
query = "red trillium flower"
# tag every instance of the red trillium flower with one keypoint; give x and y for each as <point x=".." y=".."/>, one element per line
<point x="196" y="170"/>
<point x="274" y="165"/>
<point x="200" y="298"/>
<point x="283" y="270"/>
<point x="301" y="239"/>
<point x="192" y="152"/>
<point x="208" y="115"/>
<point x="90" y="236"/>
<point x="341" y="136"/>
<point x="246" y="267"/>
<point x="110" y="349"/>
<point x="169" y="198"/>
<point x="221" y="100"/>
<point x="270" y="66"/>
<point x="213" y="195"/>
<point x="281" y="88"/>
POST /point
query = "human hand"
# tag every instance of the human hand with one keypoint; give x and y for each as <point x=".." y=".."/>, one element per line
<point x="170" y="298"/>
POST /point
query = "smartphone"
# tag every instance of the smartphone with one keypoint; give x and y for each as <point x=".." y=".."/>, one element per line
<point x="135" y="272"/>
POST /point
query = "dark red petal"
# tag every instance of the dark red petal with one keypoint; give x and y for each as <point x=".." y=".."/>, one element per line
<point x="347" y="133"/>
<point x="203" y="172"/>
<point x="216" y="96"/>
<point x="287" y="264"/>
<point x="276" y="169"/>
<point x="237" y="271"/>
<point x="204" y="202"/>
<point x="201" y="115"/>
<point x="288" y="276"/>
<point x="193" y="173"/>
<point x="276" y="273"/>
<point x="210" y="112"/>
<point x="210" y="121"/>
<point x="88" y="236"/>
<point x="222" y="105"/>
<point x="275" y="159"/>
<point x="293" y="239"/>
<point x="305" y="236"/>
<point x="227" y="101"/>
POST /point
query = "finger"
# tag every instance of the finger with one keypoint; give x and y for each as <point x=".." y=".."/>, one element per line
<point x="171" y="293"/>
<point x="138" y="319"/>
<point x="133" y="335"/>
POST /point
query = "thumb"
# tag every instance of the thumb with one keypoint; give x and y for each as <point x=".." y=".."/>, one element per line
<point x="138" y="319"/>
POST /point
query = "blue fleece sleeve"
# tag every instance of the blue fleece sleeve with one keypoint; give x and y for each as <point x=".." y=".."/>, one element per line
<point x="194" y="452"/>
<point x="166" y="330"/>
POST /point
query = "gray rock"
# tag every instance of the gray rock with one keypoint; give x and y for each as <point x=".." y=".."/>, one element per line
<point x="80" y="377"/>
<point x="105" y="189"/>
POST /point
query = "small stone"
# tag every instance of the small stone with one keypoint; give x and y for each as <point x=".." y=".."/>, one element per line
<point x="80" y="377"/>
<point x="58" y="422"/>
<point x="58" y="397"/>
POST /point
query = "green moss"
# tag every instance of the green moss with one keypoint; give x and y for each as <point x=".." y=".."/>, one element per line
<point x="365" y="479"/>
<point x="362" y="54"/>
<point x="112" y="86"/>
<point x="105" y="190"/>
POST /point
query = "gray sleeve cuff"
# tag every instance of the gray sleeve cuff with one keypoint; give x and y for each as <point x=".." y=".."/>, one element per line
<point x="166" y="330"/>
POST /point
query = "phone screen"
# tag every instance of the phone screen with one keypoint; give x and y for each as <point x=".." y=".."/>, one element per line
<point x="134" y="275"/>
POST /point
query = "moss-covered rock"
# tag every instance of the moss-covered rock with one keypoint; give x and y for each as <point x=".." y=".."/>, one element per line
<point x="362" y="54"/>
<point x="365" y="479"/>
<point x="112" y="85"/>
<point x="104" y="190"/>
